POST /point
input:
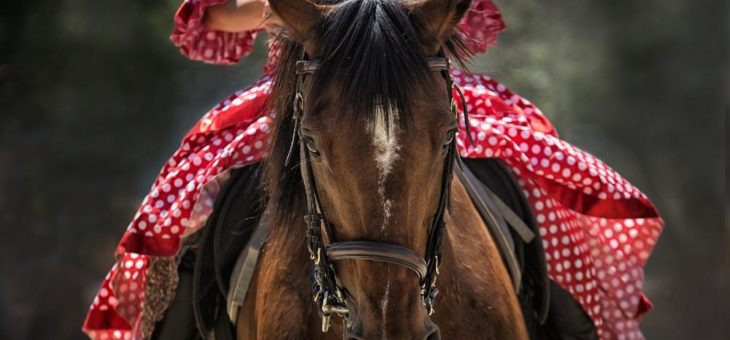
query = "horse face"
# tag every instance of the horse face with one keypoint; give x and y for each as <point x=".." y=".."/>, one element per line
<point x="381" y="183"/>
<point x="378" y="162"/>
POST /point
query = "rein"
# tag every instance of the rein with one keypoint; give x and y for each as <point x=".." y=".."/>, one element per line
<point x="329" y="294"/>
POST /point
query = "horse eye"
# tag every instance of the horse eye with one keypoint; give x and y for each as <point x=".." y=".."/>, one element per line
<point x="450" y="137"/>
<point x="310" y="146"/>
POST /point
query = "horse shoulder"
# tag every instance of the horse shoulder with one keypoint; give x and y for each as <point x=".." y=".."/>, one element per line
<point x="279" y="303"/>
<point x="476" y="297"/>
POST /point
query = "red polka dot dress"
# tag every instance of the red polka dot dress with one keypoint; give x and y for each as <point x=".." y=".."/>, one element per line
<point x="597" y="229"/>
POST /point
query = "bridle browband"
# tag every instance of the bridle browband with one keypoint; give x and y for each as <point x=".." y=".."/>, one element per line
<point x="329" y="294"/>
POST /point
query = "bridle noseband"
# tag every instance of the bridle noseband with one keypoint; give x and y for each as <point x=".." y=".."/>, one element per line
<point x="329" y="294"/>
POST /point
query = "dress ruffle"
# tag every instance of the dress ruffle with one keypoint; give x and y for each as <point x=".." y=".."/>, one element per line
<point x="200" y="43"/>
<point x="481" y="25"/>
<point x="597" y="229"/>
<point x="178" y="204"/>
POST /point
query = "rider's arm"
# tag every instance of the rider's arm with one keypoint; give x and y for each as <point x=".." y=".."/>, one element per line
<point x="235" y="16"/>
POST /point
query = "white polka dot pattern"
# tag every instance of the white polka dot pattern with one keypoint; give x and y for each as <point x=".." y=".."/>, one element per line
<point x="232" y="134"/>
<point x="479" y="29"/>
<point x="597" y="228"/>
<point x="199" y="43"/>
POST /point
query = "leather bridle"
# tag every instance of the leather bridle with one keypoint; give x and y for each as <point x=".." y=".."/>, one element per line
<point x="329" y="294"/>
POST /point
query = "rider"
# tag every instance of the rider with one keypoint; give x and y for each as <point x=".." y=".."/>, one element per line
<point x="597" y="229"/>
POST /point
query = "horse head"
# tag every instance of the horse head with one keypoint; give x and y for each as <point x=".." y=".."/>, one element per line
<point x="375" y="122"/>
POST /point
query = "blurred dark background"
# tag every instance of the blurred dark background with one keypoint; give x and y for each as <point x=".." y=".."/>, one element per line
<point x="93" y="98"/>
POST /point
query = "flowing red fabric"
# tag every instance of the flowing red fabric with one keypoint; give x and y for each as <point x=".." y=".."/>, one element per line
<point x="597" y="229"/>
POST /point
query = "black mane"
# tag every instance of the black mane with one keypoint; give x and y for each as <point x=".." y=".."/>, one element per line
<point x="371" y="50"/>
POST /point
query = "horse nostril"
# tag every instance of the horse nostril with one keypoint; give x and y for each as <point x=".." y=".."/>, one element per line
<point x="353" y="333"/>
<point x="432" y="331"/>
<point x="435" y="335"/>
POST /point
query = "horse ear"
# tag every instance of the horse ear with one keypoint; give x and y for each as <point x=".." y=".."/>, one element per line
<point x="301" y="18"/>
<point x="436" y="20"/>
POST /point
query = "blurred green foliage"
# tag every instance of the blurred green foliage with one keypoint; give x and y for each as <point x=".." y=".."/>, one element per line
<point x="93" y="98"/>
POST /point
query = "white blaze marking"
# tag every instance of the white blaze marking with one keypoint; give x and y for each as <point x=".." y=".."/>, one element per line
<point x="386" y="152"/>
<point x="386" y="212"/>
<point x="384" y="306"/>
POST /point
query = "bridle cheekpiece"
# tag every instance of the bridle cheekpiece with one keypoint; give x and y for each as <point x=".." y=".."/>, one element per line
<point x="329" y="294"/>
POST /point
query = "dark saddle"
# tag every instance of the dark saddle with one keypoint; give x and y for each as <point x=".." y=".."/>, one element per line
<point x="549" y="311"/>
<point x="208" y="296"/>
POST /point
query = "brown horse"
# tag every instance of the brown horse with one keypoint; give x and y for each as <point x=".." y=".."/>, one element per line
<point x="364" y="146"/>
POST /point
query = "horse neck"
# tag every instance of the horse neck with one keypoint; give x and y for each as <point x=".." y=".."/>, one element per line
<point x="474" y="283"/>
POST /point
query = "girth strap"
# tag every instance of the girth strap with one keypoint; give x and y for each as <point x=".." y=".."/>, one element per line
<point x="380" y="252"/>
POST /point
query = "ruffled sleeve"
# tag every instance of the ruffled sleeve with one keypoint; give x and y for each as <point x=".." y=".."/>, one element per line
<point x="481" y="25"/>
<point x="199" y="43"/>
